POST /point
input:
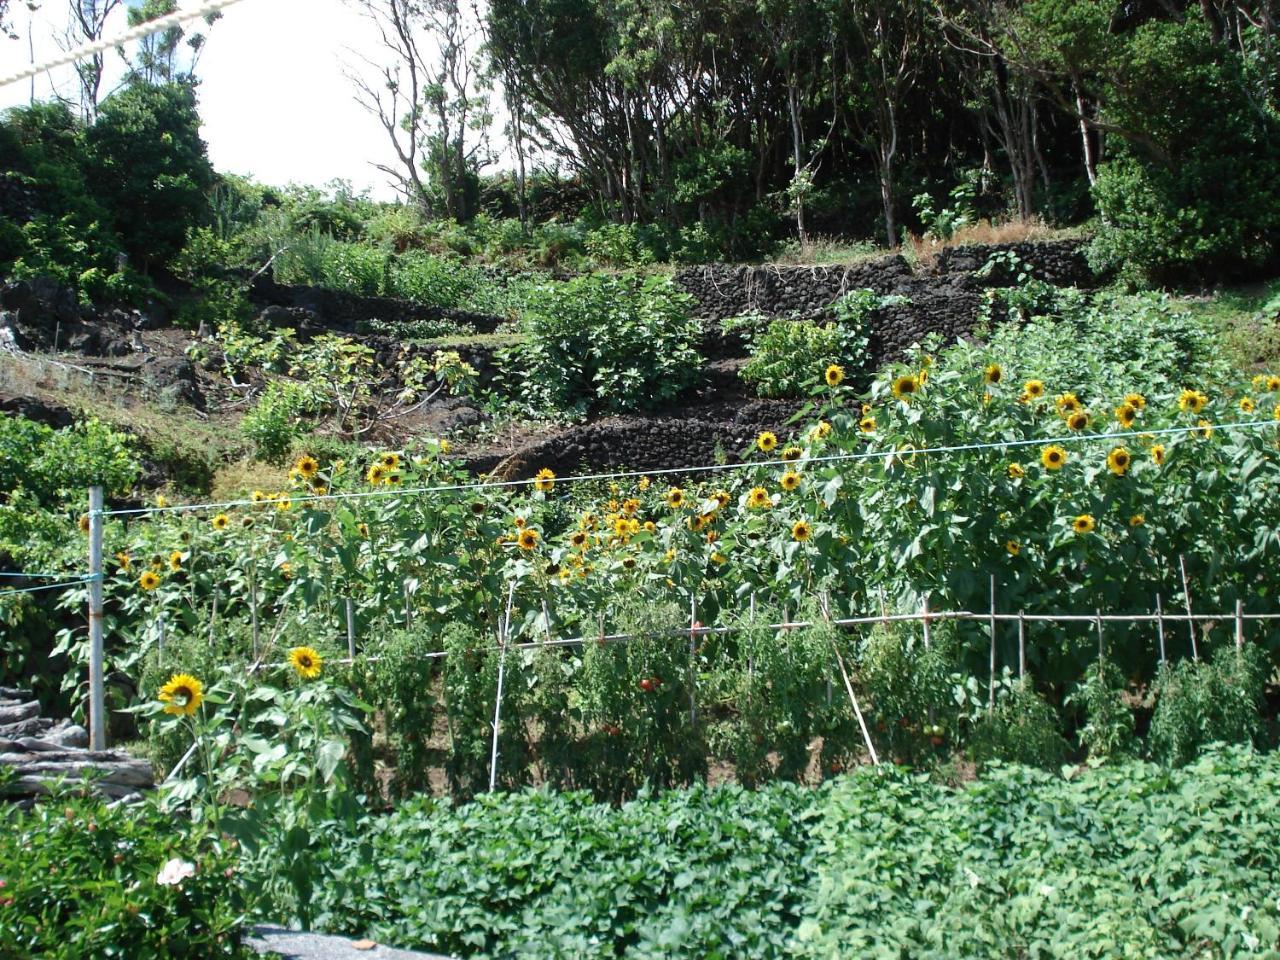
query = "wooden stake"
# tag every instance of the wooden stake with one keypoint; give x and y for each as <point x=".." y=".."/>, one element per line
<point x="213" y="620"/>
<point x="1101" y="651"/>
<point x="253" y="603"/>
<point x="408" y="607"/>
<point x="1160" y="628"/>
<point x="848" y="686"/>
<point x="1186" y="593"/>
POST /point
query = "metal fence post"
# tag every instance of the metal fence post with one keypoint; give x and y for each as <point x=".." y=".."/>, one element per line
<point x="97" y="699"/>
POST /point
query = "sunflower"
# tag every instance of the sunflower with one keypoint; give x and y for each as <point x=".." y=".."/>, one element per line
<point x="643" y="484"/>
<point x="1204" y="429"/>
<point x="791" y="454"/>
<point x="721" y="497"/>
<point x="389" y="461"/>
<point x="1192" y="401"/>
<point x="1137" y="520"/>
<point x="867" y="424"/>
<point x="1013" y="547"/>
<point x="544" y="480"/>
<point x="175" y="560"/>
<point x="1016" y="472"/>
<point x="1083" y="524"/>
<point x="992" y="373"/>
<point x="759" y="499"/>
<point x="286" y="570"/>
<point x="1273" y="383"/>
<point x="822" y="430"/>
<point x="307" y="466"/>
<point x="578" y="540"/>
<point x="767" y="441"/>
<point x="675" y="498"/>
<point x="1119" y="461"/>
<point x="246" y="522"/>
<point x="1067" y="403"/>
<point x="1247" y="405"/>
<point x="1158" y="454"/>
<point x="834" y="375"/>
<point x="259" y="497"/>
<point x="83" y="524"/>
<point x="306" y="661"/>
<point x="149" y="580"/>
<point x="319" y="490"/>
<point x="790" y="481"/>
<point x="1078" y="420"/>
<point x="284" y="504"/>
<point x="1053" y="457"/>
<point x="376" y="475"/>
<point x="520" y="523"/>
<point x="621" y="527"/>
<point x="528" y="539"/>
<point x="1126" y="413"/>
<point x="1136" y="400"/>
<point x="1033" y="389"/>
<point x="220" y="522"/>
<point x="363" y="529"/>
<point x="125" y="561"/>
<point x="801" y="531"/>
<point x="182" y="695"/>
<point x="904" y="386"/>
<point x="650" y="526"/>
<point x="1276" y="412"/>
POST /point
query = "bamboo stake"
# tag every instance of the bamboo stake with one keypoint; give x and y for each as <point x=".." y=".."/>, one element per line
<point x="351" y="628"/>
<point x="924" y="612"/>
<point x="1022" y="645"/>
<point x="213" y="620"/>
<point x="693" y="672"/>
<point x="253" y="604"/>
<point x="504" y="629"/>
<point x="1186" y="594"/>
<point x="991" y="683"/>
<point x="408" y="607"/>
<point x="1101" y="651"/>
<point x="1160" y="628"/>
<point x="848" y="686"/>
<point x="1239" y="627"/>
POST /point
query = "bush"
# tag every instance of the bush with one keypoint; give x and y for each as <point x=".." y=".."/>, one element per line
<point x="1199" y="702"/>
<point x="606" y="343"/>
<point x="276" y="422"/>
<point x="788" y="359"/>
<point x="57" y="465"/>
<point x="1108" y="732"/>
<point x="1023" y="728"/>
<point x="79" y="878"/>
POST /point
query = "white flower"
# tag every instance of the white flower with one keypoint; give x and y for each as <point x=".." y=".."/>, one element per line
<point x="174" y="872"/>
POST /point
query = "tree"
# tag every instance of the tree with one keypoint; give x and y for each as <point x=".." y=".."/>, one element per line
<point x="431" y="99"/>
<point x="88" y="21"/>
<point x="150" y="168"/>
<point x="171" y="55"/>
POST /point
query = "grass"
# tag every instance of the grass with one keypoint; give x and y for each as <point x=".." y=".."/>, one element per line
<point x="1247" y="319"/>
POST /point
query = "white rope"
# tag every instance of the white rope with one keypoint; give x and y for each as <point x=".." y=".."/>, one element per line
<point x="907" y="452"/>
<point x="141" y="31"/>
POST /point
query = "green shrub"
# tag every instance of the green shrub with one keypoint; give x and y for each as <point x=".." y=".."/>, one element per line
<point x="402" y="682"/>
<point x="79" y="878"/>
<point x="1199" y="702"/>
<point x="1108" y="732"/>
<point x="1023" y="728"/>
<point x="605" y="342"/>
<point x="789" y="358"/>
<point x="912" y="706"/>
<point x="57" y="465"/>
<point x="276" y="421"/>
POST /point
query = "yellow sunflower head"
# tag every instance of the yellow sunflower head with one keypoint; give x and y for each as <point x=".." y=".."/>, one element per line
<point x="1016" y="471"/>
<point x="220" y="522"/>
<point x="182" y="695"/>
<point x="1053" y="457"/>
<point x="1119" y="461"/>
<point x="766" y="441"/>
<point x="578" y="539"/>
<point x="1273" y="383"/>
<point x="307" y="466"/>
<point x="1126" y="413"/>
<point x="675" y="498"/>
<point x="1204" y="429"/>
<point x="1033" y="389"/>
<point x="1247" y="405"/>
<point x="259" y="497"/>
<point x="1078" y="420"/>
<point x="867" y="425"/>
<point x="1192" y="401"/>
<point x="544" y="480"/>
<point x="759" y="499"/>
<point x="125" y="561"/>
<point x="149" y="580"/>
<point x="376" y="474"/>
<point x="528" y="539"/>
<point x="1083" y="524"/>
<point x="389" y="461"/>
<point x="1137" y="520"/>
<point x="821" y="430"/>
<point x="992" y="373"/>
<point x="905" y="386"/>
<point x="643" y="484"/>
<point x="306" y="662"/>
<point x="801" y="531"/>
<point x="1067" y="403"/>
<point x="790" y="481"/>
<point x="1013" y="547"/>
<point x="1158" y="454"/>
<point x="834" y="375"/>
<point x="1136" y="400"/>
<point x="721" y="497"/>
<point x="791" y="454"/>
<point x="175" y="560"/>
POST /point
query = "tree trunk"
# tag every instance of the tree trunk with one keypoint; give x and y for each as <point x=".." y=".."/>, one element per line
<point x="1090" y="161"/>
<point x="797" y="148"/>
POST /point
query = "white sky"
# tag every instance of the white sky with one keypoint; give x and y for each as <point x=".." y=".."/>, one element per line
<point x="273" y="98"/>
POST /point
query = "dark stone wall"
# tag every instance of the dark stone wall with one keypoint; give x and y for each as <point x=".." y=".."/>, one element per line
<point x="945" y="300"/>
